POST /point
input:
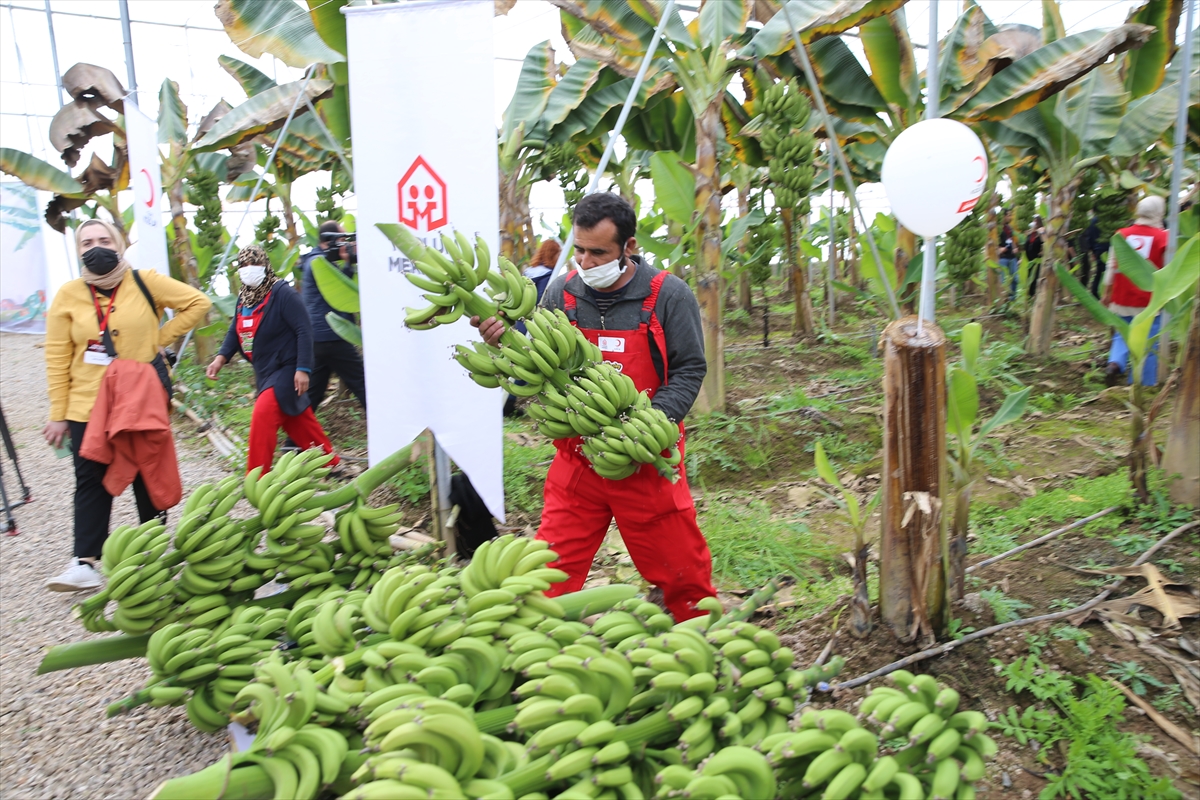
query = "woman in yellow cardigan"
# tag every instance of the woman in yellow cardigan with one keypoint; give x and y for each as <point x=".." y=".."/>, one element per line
<point x="101" y="313"/>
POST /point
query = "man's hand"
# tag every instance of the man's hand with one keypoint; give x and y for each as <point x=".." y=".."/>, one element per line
<point x="490" y="329"/>
<point x="54" y="432"/>
<point x="214" y="368"/>
<point x="301" y="379"/>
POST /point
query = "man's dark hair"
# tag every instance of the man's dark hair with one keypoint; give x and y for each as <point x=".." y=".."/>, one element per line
<point x="329" y="226"/>
<point x="595" y="208"/>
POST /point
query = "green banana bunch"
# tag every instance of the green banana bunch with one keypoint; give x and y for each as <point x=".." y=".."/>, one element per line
<point x="417" y="605"/>
<point x="140" y="579"/>
<point x="788" y="145"/>
<point x="963" y="249"/>
<point x="310" y="761"/>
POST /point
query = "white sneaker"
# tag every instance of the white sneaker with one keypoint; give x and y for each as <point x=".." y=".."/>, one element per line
<point x="79" y="576"/>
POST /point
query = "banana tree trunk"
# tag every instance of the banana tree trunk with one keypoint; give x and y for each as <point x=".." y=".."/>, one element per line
<point x="1183" y="441"/>
<point x="708" y="263"/>
<point x="1041" y="319"/>
<point x="957" y="555"/>
<point x="743" y="297"/>
<point x="912" y="573"/>
<point x="803" y="320"/>
<point x="1139" y="453"/>
<point x="993" y="252"/>
<point x="289" y="216"/>
<point x="853" y="276"/>
<point x="514" y="217"/>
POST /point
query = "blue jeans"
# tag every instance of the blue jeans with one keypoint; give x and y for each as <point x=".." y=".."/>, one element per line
<point x="1119" y="354"/>
<point x="1012" y="265"/>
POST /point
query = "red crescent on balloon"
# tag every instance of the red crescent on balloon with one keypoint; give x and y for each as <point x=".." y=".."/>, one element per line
<point x="150" y="184"/>
<point x="983" y="168"/>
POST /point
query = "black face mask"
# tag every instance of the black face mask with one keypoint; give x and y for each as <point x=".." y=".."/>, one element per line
<point x="101" y="260"/>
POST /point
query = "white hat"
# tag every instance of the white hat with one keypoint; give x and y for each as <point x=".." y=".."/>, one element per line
<point x="1150" y="211"/>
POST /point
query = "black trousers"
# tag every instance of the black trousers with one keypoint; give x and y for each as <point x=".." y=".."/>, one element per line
<point x="93" y="503"/>
<point x="338" y="357"/>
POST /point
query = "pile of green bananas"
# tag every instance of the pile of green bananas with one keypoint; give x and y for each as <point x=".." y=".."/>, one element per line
<point x="440" y="682"/>
<point x="788" y="145"/>
<point x="285" y="500"/>
<point x="364" y="533"/>
<point x="1024" y="207"/>
<point x="141" y="574"/>
<point x="577" y="393"/>
<point x="963" y="250"/>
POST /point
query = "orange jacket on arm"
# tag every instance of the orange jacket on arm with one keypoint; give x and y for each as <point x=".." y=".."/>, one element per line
<point x="130" y="431"/>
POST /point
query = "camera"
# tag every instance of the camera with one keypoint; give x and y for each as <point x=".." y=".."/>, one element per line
<point x="337" y="239"/>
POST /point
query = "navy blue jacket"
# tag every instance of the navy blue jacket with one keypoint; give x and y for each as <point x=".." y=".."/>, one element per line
<point x="314" y="301"/>
<point x="282" y="345"/>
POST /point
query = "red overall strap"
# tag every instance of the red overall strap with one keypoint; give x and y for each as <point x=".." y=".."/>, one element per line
<point x="569" y="299"/>
<point x="649" y="318"/>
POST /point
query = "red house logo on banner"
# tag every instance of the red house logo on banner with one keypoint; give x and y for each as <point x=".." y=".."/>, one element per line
<point x="422" y="195"/>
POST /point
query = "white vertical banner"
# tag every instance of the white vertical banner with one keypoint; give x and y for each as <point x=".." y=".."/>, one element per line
<point x="423" y="116"/>
<point x="145" y="178"/>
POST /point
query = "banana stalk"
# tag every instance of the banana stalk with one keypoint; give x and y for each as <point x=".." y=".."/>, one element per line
<point x="94" y="651"/>
<point x="364" y="484"/>
<point x="752" y="604"/>
<point x="138" y="698"/>
<point x="247" y="782"/>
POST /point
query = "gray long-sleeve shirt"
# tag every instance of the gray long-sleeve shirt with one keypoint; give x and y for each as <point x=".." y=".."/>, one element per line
<point x="677" y="311"/>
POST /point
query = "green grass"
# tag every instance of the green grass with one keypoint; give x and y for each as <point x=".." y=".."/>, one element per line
<point x="750" y="546"/>
<point x="525" y="468"/>
<point x="1000" y="529"/>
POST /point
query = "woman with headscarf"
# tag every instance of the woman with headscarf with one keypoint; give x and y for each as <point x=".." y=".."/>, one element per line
<point x="94" y="319"/>
<point x="272" y="331"/>
<point x="1148" y="237"/>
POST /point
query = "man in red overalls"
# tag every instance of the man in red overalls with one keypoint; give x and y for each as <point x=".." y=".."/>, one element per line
<point x="647" y="322"/>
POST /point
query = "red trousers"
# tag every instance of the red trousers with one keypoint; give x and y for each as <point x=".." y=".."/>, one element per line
<point x="265" y="423"/>
<point x="657" y="520"/>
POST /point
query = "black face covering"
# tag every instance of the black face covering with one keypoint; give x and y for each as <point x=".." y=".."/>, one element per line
<point x="352" y="256"/>
<point x="101" y="260"/>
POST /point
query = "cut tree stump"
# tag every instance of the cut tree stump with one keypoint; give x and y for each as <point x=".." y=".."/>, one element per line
<point x="912" y="579"/>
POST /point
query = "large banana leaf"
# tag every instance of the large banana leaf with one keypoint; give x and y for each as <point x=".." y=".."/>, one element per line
<point x="567" y="94"/>
<point x="172" y="115"/>
<point x="674" y="186"/>
<point x="1053" y="28"/>
<point x="260" y="114"/>
<point x="893" y="66"/>
<point x="330" y="22"/>
<point x="814" y="19"/>
<point x="252" y="80"/>
<point x="666" y="123"/>
<point x="305" y="149"/>
<point x="34" y="172"/>
<point x="338" y="290"/>
<point x="345" y="328"/>
<point x="841" y="75"/>
<point x="537" y="80"/>
<point x="720" y="21"/>
<point x="960" y="60"/>
<point x="1146" y="66"/>
<point x="1147" y="118"/>
<point x="1094" y="110"/>
<point x="611" y="32"/>
<point x="1042" y="73"/>
<point x="278" y="27"/>
<point x="585" y="117"/>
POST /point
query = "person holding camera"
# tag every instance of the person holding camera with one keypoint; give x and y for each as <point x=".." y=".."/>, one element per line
<point x="108" y="316"/>
<point x="331" y="353"/>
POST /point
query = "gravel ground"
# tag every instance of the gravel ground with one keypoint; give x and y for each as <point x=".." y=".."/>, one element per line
<point x="55" y="741"/>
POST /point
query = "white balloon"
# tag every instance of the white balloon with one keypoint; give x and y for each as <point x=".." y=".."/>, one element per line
<point x="934" y="174"/>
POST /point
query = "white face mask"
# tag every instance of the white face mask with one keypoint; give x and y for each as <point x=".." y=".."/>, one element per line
<point x="603" y="275"/>
<point x="252" y="276"/>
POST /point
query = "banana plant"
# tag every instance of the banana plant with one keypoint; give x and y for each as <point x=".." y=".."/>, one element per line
<point x="341" y="292"/>
<point x="965" y="437"/>
<point x="1167" y="287"/>
<point x="860" y="603"/>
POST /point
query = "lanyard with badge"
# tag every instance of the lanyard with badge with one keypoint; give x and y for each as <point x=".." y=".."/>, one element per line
<point x="101" y="352"/>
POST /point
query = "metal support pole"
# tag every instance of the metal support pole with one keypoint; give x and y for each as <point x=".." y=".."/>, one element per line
<point x="933" y="91"/>
<point x="124" y="5"/>
<point x="1164" y="345"/>
<point x="668" y="9"/>
<point x="819" y="99"/>
<point x="440" y="495"/>
<point x="62" y="95"/>
<point x="832" y="243"/>
<point x="1181" y="123"/>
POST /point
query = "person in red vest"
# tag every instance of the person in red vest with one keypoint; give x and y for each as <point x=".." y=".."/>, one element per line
<point x="1147" y="236"/>
<point x="647" y="321"/>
